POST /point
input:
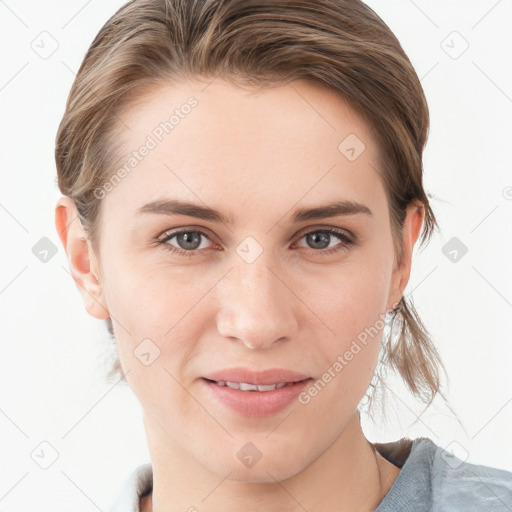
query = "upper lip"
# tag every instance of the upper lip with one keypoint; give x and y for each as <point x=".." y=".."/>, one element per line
<point x="249" y="376"/>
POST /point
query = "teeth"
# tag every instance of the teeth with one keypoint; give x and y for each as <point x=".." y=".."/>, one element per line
<point x="248" y="387"/>
<point x="244" y="386"/>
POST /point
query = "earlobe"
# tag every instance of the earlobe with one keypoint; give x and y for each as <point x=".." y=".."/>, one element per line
<point x="82" y="261"/>
<point x="410" y="233"/>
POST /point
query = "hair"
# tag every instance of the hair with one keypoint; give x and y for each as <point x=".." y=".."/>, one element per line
<point x="339" y="44"/>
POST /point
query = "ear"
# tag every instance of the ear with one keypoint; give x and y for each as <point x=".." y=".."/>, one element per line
<point x="410" y="232"/>
<point x="82" y="261"/>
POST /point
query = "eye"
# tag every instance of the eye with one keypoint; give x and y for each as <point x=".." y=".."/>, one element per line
<point x="320" y="239"/>
<point x="189" y="241"/>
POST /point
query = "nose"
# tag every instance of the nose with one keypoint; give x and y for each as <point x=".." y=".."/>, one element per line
<point x="257" y="306"/>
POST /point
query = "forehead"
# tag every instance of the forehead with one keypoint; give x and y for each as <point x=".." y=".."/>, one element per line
<point x="220" y="142"/>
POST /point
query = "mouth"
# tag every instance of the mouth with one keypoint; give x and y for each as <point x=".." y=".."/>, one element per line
<point x="246" y="386"/>
<point x="255" y="400"/>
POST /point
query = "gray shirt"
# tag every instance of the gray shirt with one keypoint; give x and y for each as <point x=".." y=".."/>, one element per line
<point x="430" y="479"/>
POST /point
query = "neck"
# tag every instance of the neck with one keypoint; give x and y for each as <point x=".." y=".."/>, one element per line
<point x="350" y="475"/>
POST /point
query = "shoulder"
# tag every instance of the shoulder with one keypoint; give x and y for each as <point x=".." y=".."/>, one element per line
<point x="138" y="484"/>
<point x="474" y="487"/>
<point x="433" y="479"/>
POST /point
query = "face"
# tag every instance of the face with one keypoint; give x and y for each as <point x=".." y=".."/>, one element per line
<point x="193" y="295"/>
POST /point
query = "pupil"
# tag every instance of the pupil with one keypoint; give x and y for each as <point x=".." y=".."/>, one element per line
<point x="186" y="238"/>
<point x="323" y="237"/>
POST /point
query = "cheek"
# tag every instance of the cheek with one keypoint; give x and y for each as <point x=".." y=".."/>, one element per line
<point x="154" y="336"/>
<point x="354" y="311"/>
<point x="351" y="303"/>
<point x="154" y="311"/>
<point x="149" y="296"/>
<point x="349" y="298"/>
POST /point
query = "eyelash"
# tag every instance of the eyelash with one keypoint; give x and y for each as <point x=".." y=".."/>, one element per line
<point x="345" y="238"/>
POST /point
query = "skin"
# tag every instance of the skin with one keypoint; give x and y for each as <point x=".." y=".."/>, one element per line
<point x="257" y="157"/>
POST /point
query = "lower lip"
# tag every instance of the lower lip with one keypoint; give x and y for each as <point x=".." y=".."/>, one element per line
<point x="257" y="403"/>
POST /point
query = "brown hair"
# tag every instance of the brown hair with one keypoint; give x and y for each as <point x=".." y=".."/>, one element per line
<point x="340" y="44"/>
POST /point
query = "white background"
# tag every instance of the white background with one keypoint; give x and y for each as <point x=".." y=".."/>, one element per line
<point x="53" y="357"/>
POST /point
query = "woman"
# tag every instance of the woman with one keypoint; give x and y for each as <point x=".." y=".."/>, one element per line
<point x="247" y="178"/>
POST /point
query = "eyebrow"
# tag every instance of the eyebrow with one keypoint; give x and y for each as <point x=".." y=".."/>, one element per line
<point x="179" y="207"/>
